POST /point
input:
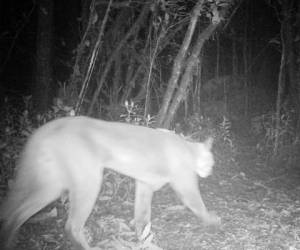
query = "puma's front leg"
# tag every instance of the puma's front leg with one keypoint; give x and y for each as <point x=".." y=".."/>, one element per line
<point x="196" y="204"/>
<point x="142" y="207"/>
<point x="188" y="191"/>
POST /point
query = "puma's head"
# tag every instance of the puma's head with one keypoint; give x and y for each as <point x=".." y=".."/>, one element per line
<point x="205" y="159"/>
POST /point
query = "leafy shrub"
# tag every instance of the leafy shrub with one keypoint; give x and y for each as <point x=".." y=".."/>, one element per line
<point x="134" y="115"/>
<point x="265" y="128"/>
<point x="199" y="128"/>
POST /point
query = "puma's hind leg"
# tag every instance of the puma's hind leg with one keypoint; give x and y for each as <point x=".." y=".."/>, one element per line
<point x="17" y="209"/>
<point x="82" y="199"/>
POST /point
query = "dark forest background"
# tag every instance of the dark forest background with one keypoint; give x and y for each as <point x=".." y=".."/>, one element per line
<point x="173" y="59"/>
<point x="229" y="69"/>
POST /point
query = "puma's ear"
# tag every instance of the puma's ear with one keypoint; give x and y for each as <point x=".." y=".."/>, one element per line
<point x="208" y="143"/>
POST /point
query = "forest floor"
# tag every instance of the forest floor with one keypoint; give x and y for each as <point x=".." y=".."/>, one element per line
<point x="259" y="206"/>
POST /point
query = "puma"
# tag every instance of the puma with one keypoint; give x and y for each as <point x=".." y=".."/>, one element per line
<point x="69" y="154"/>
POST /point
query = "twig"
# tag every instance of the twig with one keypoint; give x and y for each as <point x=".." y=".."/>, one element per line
<point x="92" y="61"/>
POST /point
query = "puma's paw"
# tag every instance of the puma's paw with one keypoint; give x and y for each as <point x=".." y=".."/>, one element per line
<point x="212" y="219"/>
<point x="204" y="171"/>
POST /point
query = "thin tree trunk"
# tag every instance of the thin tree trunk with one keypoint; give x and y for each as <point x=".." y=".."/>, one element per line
<point x="297" y="60"/>
<point x="234" y="57"/>
<point x="77" y="74"/>
<point x="178" y="64"/>
<point x="198" y="87"/>
<point x="217" y="73"/>
<point x="153" y="54"/>
<point x="281" y="83"/>
<point x="42" y="87"/>
<point x="186" y="78"/>
<point x="93" y="59"/>
<point x="291" y="59"/>
<point x="135" y="28"/>
<point x="246" y="64"/>
<point x="117" y="80"/>
<point x="132" y="83"/>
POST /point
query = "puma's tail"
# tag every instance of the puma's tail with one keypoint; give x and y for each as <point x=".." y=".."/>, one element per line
<point x="29" y="194"/>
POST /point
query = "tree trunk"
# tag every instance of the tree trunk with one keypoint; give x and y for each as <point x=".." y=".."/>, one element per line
<point x="297" y="60"/>
<point x="281" y="83"/>
<point x="42" y="88"/>
<point x="234" y="56"/>
<point x="217" y="72"/>
<point x="289" y="37"/>
<point x="178" y="64"/>
<point x="246" y="62"/>
<point x="186" y="78"/>
<point x="92" y="59"/>
<point x="197" y="95"/>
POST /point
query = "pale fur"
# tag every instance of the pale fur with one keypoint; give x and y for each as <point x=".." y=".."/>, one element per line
<point x="69" y="154"/>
